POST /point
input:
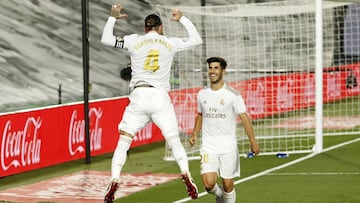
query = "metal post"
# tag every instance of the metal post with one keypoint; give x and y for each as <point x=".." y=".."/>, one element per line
<point x="319" y="79"/>
<point x="203" y="53"/>
<point x="59" y="93"/>
<point x="85" y="41"/>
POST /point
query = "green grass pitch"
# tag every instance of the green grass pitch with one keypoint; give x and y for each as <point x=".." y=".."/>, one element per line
<point x="332" y="176"/>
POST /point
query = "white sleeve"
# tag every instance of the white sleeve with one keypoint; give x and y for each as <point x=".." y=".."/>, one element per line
<point x="194" y="38"/>
<point x="239" y="105"/>
<point x="108" y="37"/>
<point x="198" y="101"/>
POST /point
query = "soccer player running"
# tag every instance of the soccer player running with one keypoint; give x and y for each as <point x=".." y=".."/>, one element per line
<point x="218" y="107"/>
<point x="151" y="55"/>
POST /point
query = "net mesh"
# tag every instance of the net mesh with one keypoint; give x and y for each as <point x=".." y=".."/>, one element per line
<point x="270" y="50"/>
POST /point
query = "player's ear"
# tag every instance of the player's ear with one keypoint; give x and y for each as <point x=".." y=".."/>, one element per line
<point x="160" y="29"/>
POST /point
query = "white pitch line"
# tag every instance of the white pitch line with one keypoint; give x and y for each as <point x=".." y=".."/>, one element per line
<point x="278" y="167"/>
<point x="313" y="173"/>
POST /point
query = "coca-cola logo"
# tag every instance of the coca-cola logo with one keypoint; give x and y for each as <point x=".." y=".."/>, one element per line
<point x="21" y="147"/>
<point x="76" y="139"/>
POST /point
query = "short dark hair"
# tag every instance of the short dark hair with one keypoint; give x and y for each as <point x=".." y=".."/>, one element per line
<point x="152" y="20"/>
<point x="222" y="61"/>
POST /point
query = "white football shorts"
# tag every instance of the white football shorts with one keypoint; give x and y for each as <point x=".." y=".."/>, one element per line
<point x="226" y="165"/>
<point x="149" y="103"/>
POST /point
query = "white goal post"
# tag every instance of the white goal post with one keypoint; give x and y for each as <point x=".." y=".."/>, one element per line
<point x="271" y="53"/>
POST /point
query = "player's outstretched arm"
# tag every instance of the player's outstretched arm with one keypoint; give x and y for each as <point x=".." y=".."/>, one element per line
<point x="194" y="38"/>
<point x="108" y="37"/>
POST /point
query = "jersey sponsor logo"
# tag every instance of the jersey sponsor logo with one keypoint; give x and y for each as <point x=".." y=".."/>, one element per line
<point x="213" y="113"/>
<point x="119" y="43"/>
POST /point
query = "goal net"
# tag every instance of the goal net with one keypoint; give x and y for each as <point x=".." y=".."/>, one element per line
<point x="270" y="50"/>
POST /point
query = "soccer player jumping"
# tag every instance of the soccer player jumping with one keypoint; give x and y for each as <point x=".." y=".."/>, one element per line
<point x="151" y="56"/>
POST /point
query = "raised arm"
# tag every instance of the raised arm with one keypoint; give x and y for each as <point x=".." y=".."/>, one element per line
<point x="108" y="37"/>
<point x="194" y="38"/>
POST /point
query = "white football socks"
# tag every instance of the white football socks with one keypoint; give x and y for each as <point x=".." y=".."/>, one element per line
<point x="230" y="197"/>
<point x="217" y="190"/>
<point x="119" y="156"/>
<point x="179" y="154"/>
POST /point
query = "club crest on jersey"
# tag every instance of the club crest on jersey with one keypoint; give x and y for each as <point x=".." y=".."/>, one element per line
<point x="222" y="102"/>
<point x="119" y="42"/>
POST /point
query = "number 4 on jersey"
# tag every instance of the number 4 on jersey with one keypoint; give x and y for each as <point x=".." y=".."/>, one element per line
<point x="152" y="60"/>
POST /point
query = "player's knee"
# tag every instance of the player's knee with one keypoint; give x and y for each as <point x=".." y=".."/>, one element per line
<point x="209" y="186"/>
<point x="124" y="142"/>
<point x="228" y="185"/>
<point x="209" y="181"/>
<point x="124" y="133"/>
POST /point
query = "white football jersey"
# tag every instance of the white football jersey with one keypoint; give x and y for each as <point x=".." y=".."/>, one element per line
<point x="152" y="54"/>
<point x="219" y="111"/>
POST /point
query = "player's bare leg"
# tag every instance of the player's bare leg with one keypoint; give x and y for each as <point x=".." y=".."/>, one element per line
<point x="209" y="182"/>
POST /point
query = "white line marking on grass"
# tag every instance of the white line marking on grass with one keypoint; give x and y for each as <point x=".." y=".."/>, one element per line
<point x="313" y="173"/>
<point x="278" y="167"/>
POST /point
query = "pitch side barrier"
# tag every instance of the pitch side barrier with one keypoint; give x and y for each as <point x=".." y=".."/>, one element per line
<point x="42" y="137"/>
<point x="37" y="138"/>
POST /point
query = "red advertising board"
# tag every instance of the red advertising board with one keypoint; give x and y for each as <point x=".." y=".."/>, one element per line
<point x="281" y="93"/>
<point x="43" y="137"/>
